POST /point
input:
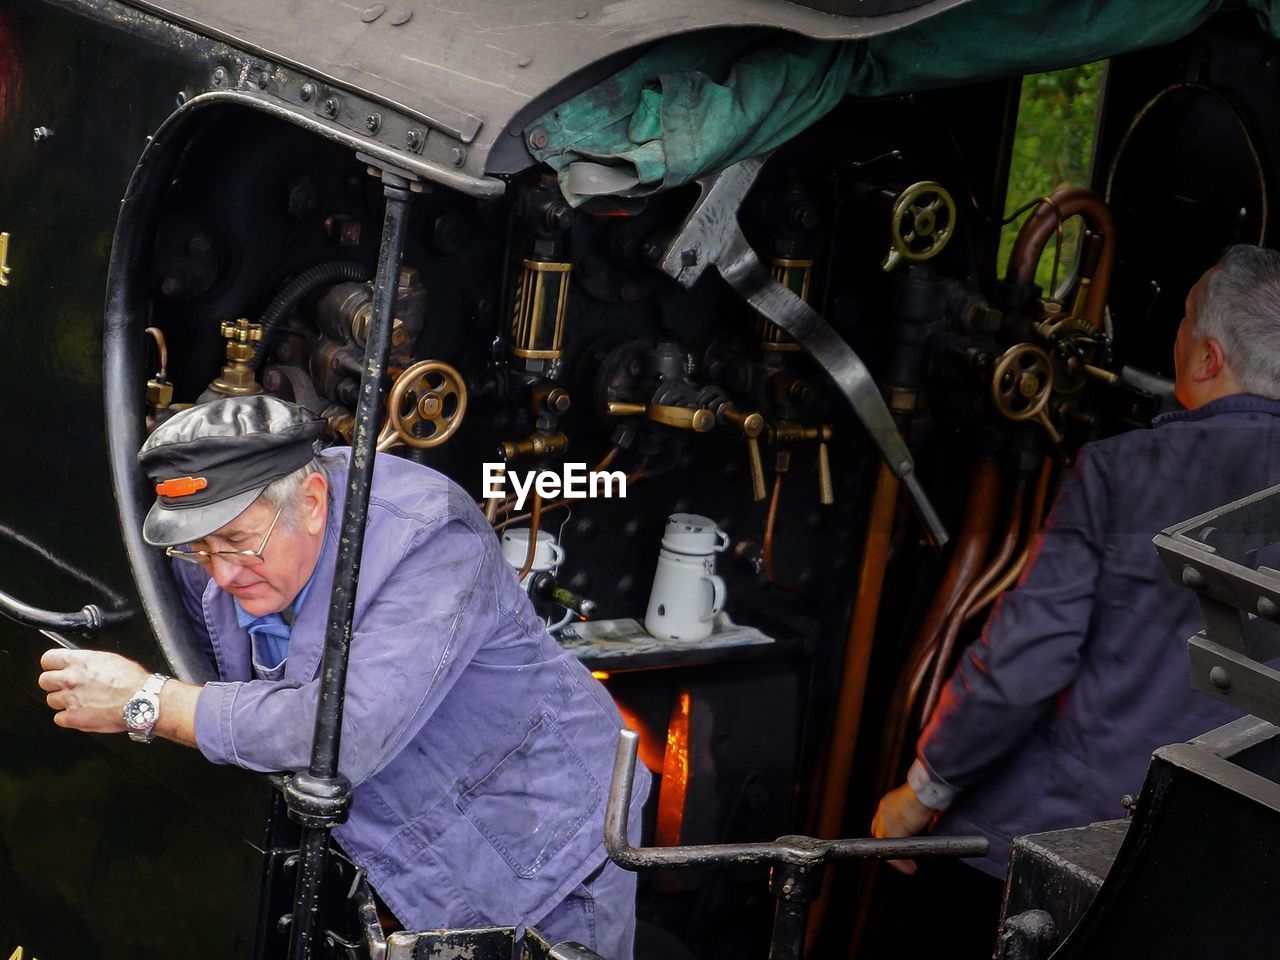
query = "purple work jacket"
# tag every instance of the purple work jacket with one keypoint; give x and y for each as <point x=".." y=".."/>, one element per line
<point x="480" y="752"/>
<point x="1081" y="672"/>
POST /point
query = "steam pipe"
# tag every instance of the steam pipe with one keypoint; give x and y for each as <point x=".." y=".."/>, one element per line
<point x="968" y="553"/>
<point x="1041" y="226"/>
<point x="320" y="798"/>
<point x="1007" y="546"/>
<point x="1034" y="520"/>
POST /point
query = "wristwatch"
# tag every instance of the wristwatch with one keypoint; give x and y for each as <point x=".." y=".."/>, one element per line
<point x="143" y="710"/>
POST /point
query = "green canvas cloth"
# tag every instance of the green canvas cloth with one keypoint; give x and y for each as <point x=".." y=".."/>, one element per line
<point x="697" y="103"/>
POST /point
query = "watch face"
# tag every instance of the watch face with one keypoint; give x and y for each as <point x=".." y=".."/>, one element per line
<point x="140" y="714"/>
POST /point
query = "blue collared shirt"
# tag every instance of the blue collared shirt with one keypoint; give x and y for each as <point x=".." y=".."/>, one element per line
<point x="271" y="631"/>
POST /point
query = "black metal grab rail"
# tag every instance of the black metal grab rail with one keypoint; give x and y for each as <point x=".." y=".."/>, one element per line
<point x="89" y="619"/>
<point x="797" y="863"/>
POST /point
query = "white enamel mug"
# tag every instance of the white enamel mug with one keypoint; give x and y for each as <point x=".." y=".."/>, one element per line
<point x="686" y="594"/>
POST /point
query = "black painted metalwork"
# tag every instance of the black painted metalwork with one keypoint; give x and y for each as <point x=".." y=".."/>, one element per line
<point x="320" y="798"/>
<point x="89" y="620"/>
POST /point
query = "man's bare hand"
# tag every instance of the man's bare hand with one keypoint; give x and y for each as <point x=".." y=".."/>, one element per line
<point x="88" y="689"/>
<point x="901" y="814"/>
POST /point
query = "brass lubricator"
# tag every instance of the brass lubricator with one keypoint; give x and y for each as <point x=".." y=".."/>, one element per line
<point x="1022" y="384"/>
<point x="792" y="433"/>
<point x="921" y="223"/>
<point x="794" y="275"/>
<point x="237" y="377"/>
<point x="537" y="329"/>
<point x="426" y="406"/>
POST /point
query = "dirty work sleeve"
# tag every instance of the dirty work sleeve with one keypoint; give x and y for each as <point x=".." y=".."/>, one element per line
<point x="408" y="646"/>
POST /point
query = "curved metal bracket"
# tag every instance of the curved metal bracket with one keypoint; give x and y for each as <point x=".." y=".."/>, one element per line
<point x="711" y="236"/>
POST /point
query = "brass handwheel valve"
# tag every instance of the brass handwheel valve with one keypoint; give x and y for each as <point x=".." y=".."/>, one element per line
<point x="426" y="406"/>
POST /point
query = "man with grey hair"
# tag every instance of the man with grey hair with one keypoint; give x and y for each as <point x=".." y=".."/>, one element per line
<point x="1081" y="671"/>
<point x="480" y="752"/>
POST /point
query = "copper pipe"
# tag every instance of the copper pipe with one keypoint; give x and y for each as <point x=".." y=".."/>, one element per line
<point x="853" y="682"/>
<point x="607" y="460"/>
<point x="158" y="336"/>
<point x="1044" y="223"/>
<point x="857" y="654"/>
<point x="1035" y="519"/>
<point x="766" y="547"/>
<point x="535" y="518"/>
<point x="968" y="552"/>
<point x="1008" y="544"/>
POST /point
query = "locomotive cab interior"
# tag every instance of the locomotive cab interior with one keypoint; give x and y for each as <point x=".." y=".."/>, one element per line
<point x="531" y="332"/>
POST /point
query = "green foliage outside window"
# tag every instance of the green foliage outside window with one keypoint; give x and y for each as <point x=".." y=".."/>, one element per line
<point x="1052" y="148"/>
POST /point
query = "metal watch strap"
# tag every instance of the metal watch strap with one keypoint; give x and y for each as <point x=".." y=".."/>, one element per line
<point x="151" y="688"/>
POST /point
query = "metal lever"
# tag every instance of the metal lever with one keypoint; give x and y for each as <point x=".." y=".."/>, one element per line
<point x="797" y="863"/>
<point x="711" y="236"/>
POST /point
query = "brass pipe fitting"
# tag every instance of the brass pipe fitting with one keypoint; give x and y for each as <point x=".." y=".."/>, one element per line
<point x="537" y="444"/>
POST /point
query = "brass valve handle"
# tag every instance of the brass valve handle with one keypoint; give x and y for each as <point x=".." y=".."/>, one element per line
<point x="430" y="394"/>
<point x="783" y="432"/>
<point x="752" y="426"/>
<point x="923" y="219"/>
<point x="1022" y="384"/>
<point x="697" y="419"/>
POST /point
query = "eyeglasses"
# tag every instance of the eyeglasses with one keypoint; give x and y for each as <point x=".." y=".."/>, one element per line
<point x="243" y="558"/>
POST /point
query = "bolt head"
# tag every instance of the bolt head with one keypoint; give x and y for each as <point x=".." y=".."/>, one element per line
<point x="308" y="91"/>
<point x="373" y="122"/>
<point x="539" y="138"/>
<point x="413" y="140"/>
<point x="458" y="155"/>
<point x="219" y="76"/>
<point x="331" y="107"/>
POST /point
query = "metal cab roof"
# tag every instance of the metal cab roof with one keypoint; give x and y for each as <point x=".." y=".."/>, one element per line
<point x="464" y="70"/>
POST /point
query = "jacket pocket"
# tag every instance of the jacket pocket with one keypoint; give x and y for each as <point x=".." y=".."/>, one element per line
<point x="534" y="801"/>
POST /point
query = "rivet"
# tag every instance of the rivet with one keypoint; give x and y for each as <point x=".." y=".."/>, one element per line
<point x="1267" y="608"/>
<point x="401" y="16"/>
<point x="308" y="91"/>
<point x="524" y="61"/>
<point x="373" y="13"/>
<point x="264" y="78"/>
<point x="41" y="134"/>
<point x="331" y="107"/>
<point x="413" y="140"/>
<point x="373" y="122"/>
<point x="580" y="15"/>
<point x="458" y="155"/>
<point x="539" y="138"/>
<point x="1193" y="578"/>
<point x="1219" y="677"/>
<point x="219" y="77"/>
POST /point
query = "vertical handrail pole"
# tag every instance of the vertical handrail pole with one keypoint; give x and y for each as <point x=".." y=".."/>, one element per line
<point x="320" y="798"/>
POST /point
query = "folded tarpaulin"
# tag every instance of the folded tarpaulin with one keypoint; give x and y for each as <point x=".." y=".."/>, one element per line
<point x="697" y="103"/>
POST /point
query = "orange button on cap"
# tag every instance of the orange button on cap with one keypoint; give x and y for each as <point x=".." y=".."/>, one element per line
<point x="181" y="486"/>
